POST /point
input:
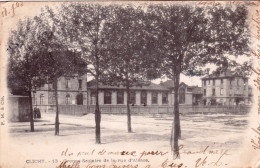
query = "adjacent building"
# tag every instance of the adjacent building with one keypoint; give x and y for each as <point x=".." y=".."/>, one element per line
<point x="190" y="95"/>
<point x="225" y="88"/>
<point x="72" y="90"/>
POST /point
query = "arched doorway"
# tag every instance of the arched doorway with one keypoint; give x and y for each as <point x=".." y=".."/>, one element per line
<point x="79" y="99"/>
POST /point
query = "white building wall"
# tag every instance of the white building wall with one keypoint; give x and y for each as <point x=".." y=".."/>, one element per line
<point x="125" y="98"/>
<point x="188" y="98"/>
<point x="159" y="98"/>
<point x="138" y="97"/>
<point x="101" y="97"/>
<point x="149" y="98"/>
<point x="114" y="98"/>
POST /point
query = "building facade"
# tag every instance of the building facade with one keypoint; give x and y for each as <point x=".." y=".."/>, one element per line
<point x="76" y="91"/>
<point x="189" y="95"/>
<point x="149" y="94"/>
<point x="225" y="88"/>
<point x="72" y="90"/>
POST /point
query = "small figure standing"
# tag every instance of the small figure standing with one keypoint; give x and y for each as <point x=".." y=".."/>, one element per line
<point x="38" y="113"/>
<point x="35" y="112"/>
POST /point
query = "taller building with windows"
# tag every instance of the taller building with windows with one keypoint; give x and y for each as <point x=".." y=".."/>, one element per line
<point x="72" y="90"/>
<point x="225" y="88"/>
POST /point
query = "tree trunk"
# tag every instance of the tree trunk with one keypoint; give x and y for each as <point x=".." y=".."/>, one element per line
<point x="97" y="116"/>
<point x="57" y="129"/>
<point x="31" y="109"/>
<point x="176" y="129"/>
<point x="128" y="108"/>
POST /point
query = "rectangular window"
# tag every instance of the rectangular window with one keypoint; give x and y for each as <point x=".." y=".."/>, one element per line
<point x="189" y="89"/>
<point x="209" y="81"/>
<point x="205" y="82"/>
<point x="213" y="92"/>
<point x="80" y="83"/>
<point x="213" y="82"/>
<point x="120" y="97"/>
<point x="144" y="97"/>
<point x="107" y="97"/>
<point x="132" y="97"/>
<point x="67" y="83"/>
<point x="67" y="99"/>
<point x="154" y="98"/>
<point x="42" y="84"/>
<point x="41" y="99"/>
<point x="221" y="91"/>
<point x="53" y="100"/>
<point x="230" y="82"/>
<point x="245" y="83"/>
<point x="164" y="97"/>
<point x="33" y="100"/>
<point x="221" y="81"/>
<point x="93" y="97"/>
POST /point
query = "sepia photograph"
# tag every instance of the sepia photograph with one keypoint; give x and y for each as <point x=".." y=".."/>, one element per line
<point x="131" y="84"/>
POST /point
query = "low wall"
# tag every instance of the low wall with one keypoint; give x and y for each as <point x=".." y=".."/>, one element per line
<point x="77" y="110"/>
<point x="80" y="110"/>
<point x="116" y="109"/>
<point x="19" y="108"/>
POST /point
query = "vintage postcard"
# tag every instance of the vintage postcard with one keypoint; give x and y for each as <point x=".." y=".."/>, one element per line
<point x="131" y="84"/>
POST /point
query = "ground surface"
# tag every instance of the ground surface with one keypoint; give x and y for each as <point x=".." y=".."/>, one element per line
<point x="200" y="132"/>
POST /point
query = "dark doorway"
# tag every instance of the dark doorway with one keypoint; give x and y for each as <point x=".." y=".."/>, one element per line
<point x="213" y="102"/>
<point x="238" y="99"/>
<point x="204" y="102"/>
<point x="79" y="98"/>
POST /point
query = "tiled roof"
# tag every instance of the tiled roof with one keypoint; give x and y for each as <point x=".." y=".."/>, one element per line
<point x="165" y="86"/>
<point x="168" y="84"/>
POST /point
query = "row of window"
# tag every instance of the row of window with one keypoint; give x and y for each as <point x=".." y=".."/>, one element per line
<point x="222" y="81"/>
<point x="41" y="99"/>
<point x="67" y="83"/>
<point x="132" y="97"/>
<point x="222" y="91"/>
<point x="214" y="92"/>
<point x="213" y="80"/>
<point x="79" y="99"/>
